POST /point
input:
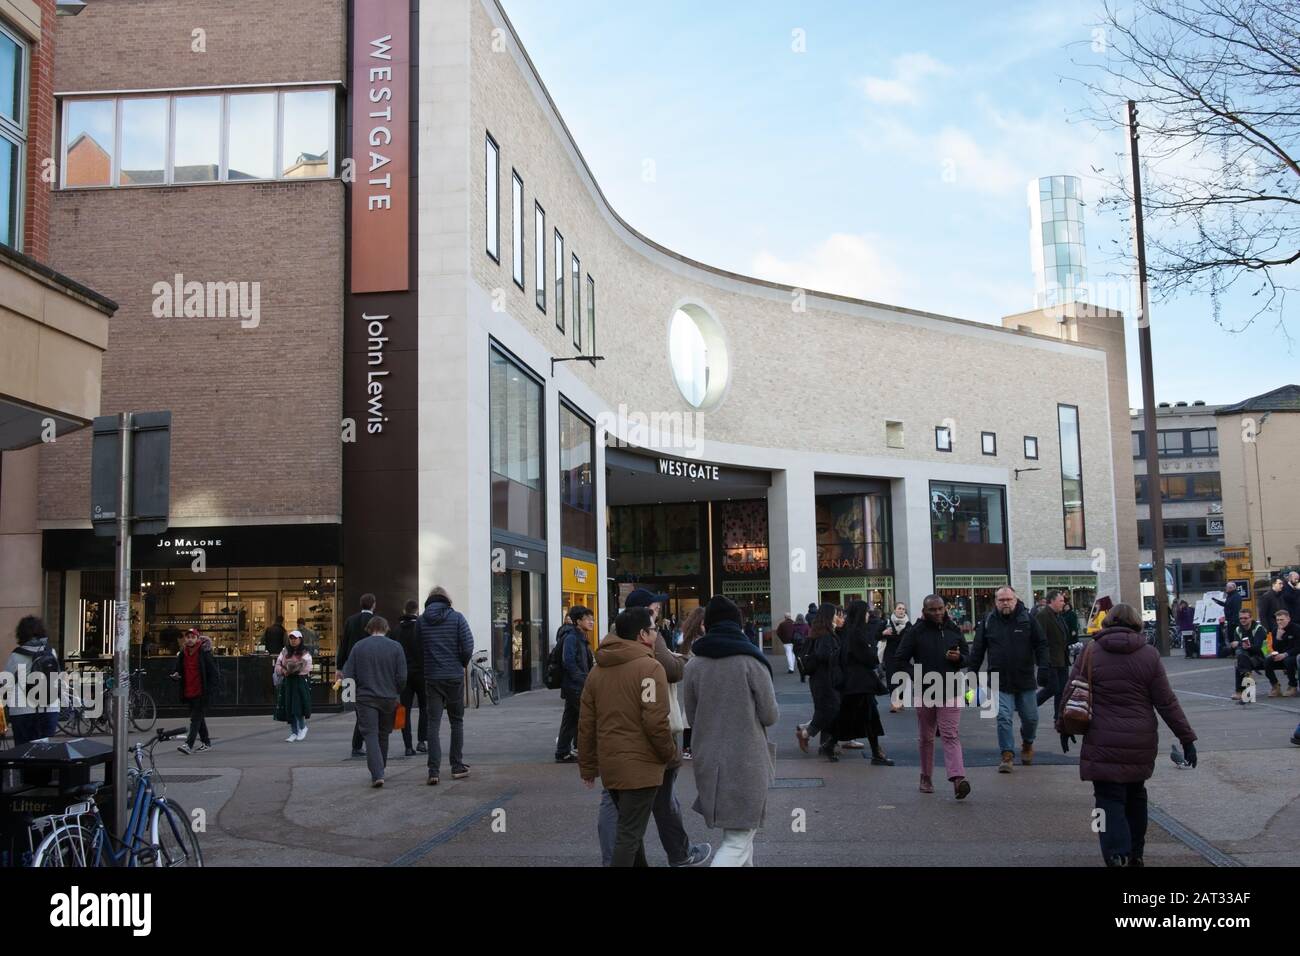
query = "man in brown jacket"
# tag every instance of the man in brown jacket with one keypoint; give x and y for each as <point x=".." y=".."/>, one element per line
<point x="623" y="733"/>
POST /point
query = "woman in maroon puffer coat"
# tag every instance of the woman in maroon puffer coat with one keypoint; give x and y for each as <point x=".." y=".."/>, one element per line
<point x="1129" y="687"/>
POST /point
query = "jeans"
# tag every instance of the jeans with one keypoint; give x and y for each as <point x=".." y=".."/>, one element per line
<point x="1053" y="681"/>
<point x="198" y="721"/>
<point x="296" y="724"/>
<point x="413" y="692"/>
<point x="1026" y="703"/>
<point x="668" y="821"/>
<point x="1124" y="820"/>
<point x="736" y="849"/>
<point x="375" y="718"/>
<point x="446" y="695"/>
<point x="356" y="735"/>
<point x="634" y="808"/>
<point x="948" y="720"/>
<point x="568" y="723"/>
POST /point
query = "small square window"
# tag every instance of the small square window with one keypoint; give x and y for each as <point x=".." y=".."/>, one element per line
<point x="942" y="438"/>
<point x="1031" y="447"/>
<point x="988" y="443"/>
<point x="893" y="434"/>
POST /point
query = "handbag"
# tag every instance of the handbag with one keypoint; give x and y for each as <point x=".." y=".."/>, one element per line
<point x="1076" y="712"/>
<point x="676" y="720"/>
<point x="399" y="718"/>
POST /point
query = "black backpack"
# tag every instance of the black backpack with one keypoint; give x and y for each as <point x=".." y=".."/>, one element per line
<point x="554" y="678"/>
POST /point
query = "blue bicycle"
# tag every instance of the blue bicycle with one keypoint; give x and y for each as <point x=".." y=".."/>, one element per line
<point x="158" y="831"/>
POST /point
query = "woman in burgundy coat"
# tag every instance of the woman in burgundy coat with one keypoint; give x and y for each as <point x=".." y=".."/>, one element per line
<point x="1129" y="687"/>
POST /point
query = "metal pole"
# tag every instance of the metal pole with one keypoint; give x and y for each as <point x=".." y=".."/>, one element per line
<point x="122" y="630"/>
<point x="1149" y="399"/>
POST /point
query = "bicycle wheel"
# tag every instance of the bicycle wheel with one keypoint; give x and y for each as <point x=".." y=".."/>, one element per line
<point x="68" y="845"/>
<point x="494" y="695"/>
<point x="144" y="712"/>
<point x="478" y="679"/>
<point x="173" y="840"/>
<point x="67" y="722"/>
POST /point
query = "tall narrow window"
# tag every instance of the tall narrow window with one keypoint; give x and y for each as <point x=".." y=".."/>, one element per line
<point x="517" y="231"/>
<point x="13" y="135"/>
<point x="492" y="194"/>
<point x="144" y="141"/>
<point x="559" y="281"/>
<point x="576" y="273"/>
<point x="591" y="316"/>
<point x="539" y="254"/>
<point x="1071" y="476"/>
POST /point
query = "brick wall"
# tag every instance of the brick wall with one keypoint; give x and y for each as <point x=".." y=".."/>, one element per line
<point x="40" y="137"/>
<point x="148" y="44"/>
<point x="256" y="411"/>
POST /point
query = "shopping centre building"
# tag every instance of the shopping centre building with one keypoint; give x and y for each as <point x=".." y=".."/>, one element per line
<point x="406" y="341"/>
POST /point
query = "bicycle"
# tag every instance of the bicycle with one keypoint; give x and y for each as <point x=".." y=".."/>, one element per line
<point x="142" y="710"/>
<point x="484" y="681"/>
<point x="73" y="717"/>
<point x="158" y="832"/>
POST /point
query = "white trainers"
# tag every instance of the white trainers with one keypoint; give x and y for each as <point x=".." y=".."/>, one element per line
<point x="302" y="733"/>
<point x="291" y="738"/>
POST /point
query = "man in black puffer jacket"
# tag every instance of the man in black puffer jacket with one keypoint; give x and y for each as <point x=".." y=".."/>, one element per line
<point x="1016" y="648"/>
<point x="448" y="646"/>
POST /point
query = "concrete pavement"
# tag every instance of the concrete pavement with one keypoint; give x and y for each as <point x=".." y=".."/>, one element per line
<point x="267" y="802"/>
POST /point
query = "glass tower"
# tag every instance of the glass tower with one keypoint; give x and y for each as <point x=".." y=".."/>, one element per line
<point x="1056" y="240"/>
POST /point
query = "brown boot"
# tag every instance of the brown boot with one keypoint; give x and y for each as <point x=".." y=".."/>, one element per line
<point x="1289" y="692"/>
<point x="1275" y="691"/>
<point x="1005" y="765"/>
<point x="1026" y="754"/>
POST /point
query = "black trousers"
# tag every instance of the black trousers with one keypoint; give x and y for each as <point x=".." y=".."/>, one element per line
<point x="634" y="809"/>
<point x="1287" y="664"/>
<point x="568" y="723"/>
<point x="1124" y="818"/>
<point x="1052" y="682"/>
<point x="415" y="692"/>
<point x="1247" y="662"/>
<point x="198" y="721"/>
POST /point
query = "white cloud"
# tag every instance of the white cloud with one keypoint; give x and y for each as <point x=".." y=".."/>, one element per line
<point x="852" y="265"/>
<point x="910" y="70"/>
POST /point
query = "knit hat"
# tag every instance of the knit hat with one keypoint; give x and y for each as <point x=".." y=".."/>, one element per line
<point x="718" y="609"/>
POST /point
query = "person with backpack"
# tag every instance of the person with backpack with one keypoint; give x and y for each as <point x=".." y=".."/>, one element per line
<point x="408" y="635"/>
<point x="821" y="661"/>
<point x="196" y="670"/>
<point x="34" y="681"/>
<point x="935" y="644"/>
<point x="573" y="649"/>
<point x="1016" y="648"/>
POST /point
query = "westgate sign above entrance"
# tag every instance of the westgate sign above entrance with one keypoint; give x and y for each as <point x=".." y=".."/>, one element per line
<point x="689" y="469"/>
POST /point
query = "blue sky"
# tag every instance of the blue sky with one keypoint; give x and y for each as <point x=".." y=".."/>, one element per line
<point x="888" y="160"/>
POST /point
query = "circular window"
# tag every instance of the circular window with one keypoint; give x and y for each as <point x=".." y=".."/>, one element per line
<point x="698" y="354"/>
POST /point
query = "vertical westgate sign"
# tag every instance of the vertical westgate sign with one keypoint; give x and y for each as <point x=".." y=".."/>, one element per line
<point x="381" y="146"/>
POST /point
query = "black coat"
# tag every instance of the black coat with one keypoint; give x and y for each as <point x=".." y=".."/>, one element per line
<point x="408" y="635"/>
<point x="1270" y="602"/>
<point x="1016" y="647"/>
<point x="822" y="662"/>
<point x="273" y="639"/>
<point x="859" y="659"/>
<point x="928" y="644"/>
<point x="892" y="643"/>
<point x="354" y="630"/>
<point x="1231" y="604"/>
<point x="209" y="676"/>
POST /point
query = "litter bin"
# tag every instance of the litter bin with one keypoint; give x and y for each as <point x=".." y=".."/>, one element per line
<point x="63" y="767"/>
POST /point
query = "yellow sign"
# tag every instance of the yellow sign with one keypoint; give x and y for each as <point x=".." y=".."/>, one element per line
<point x="579" y="586"/>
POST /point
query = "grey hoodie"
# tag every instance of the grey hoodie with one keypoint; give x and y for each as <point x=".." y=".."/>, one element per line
<point x="19" y="663"/>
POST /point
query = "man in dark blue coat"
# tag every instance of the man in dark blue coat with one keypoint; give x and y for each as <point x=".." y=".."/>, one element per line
<point x="448" y="646"/>
<point x="576" y="636"/>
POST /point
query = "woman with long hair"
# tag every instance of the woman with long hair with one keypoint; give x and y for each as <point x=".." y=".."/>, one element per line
<point x="1128" y="687"/>
<point x="293" y="696"/>
<point x="800" y="634"/>
<point x="896" y="625"/>
<point x="692" y="628"/>
<point x="859" y="716"/>
<point x="822" y="664"/>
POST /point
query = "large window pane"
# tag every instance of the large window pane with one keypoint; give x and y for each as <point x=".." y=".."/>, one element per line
<point x="9" y="167"/>
<point x="577" y="484"/>
<point x="1071" y="476"/>
<point x="252" y="136"/>
<point x="11" y="80"/>
<point x="144" y="141"/>
<point x="198" y="139"/>
<point x="515" y="439"/>
<point x="308" y="134"/>
<point x="89" y="139"/>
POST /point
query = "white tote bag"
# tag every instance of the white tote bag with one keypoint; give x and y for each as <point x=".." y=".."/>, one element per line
<point x="676" y="719"/>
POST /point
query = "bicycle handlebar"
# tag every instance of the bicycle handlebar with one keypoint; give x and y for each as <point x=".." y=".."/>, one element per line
<point x="169" y="734"/>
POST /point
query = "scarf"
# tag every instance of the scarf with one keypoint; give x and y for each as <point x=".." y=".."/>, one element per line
<point x="726" y="639"/>
<point x="898" y="623"/>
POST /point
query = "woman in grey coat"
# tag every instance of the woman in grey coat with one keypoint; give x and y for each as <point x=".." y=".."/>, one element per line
<point x="730" y="703"/>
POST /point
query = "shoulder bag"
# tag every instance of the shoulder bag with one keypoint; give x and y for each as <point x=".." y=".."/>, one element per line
<point x="1076" y="712"/>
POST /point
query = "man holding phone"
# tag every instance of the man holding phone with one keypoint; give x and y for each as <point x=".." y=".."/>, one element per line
<point x="936" y="646"/>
